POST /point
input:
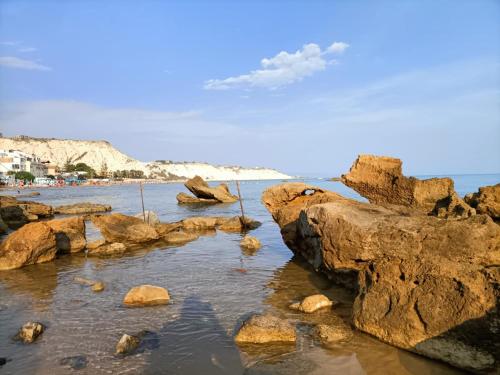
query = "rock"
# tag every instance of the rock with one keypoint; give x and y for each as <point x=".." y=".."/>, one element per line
<point x="205" y="193"/>
<point x="82" y="208"/>
<point x="84" y="281"/>
<point x="328" y="334"/>
<point x="98" y="287"/>
<point x="380" y="179"/>
<point x="127" y="344"/>
<point x="3" y="361"/>
<point x="151" y="217"/>
<point x="250" y="243"/>
<point x="164" y="228"/>
<point x="146" y="295"/>
<point x="33" y="243"/>
<point x="200" y="223"/>
<point x="486" y="201"/>
<point x="3" y="227"/>
<point x="77" y="362"/>
<point x="108" y="249"/>
<point x="30" y="332"/>
<point x="180" y="237"/>
<point x="183" y="198"/>
<point x="125" y="229"/>
<point x="70" y="234"/>
<point x="312" y="303"/>
<point x="259" y="329"/>
<point x="95" y="244"/>
<point x="18" y="213"/>
<point x="237" y="224"/>
<point x="424" y="284"/>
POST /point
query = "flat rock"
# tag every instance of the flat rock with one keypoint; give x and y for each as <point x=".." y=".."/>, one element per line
<point x="82" y="208"/>
<point x="146" y="295"/>
<point x="183" y="198"/>
<point x="108" y="249"/>
<point x="250" y="243"/>
<point x="31" y="244"/>
<point x="312" y="303"/>
<point x="329" y="334"/>
<point x="124" y="229"/>
<point x="70" y="234"/>
<point x="30" y="332"/>
<point x="259" y="329"/>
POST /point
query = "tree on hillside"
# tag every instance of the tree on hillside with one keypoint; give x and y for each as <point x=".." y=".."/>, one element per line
<point x="24" y="176"/>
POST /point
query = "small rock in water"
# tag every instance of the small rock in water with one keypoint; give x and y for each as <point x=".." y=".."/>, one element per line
<point x="146" y="295"/>
<point x="328" y="334"/>
<point x="76" y="362"/>
<point x="127" y="344"/>
<point x="312" y="303"/>
<point x="259" y="329"/>
<point x="30" y="332"/>
<point x="250" y="243"/>
<point x="98" y="286"/>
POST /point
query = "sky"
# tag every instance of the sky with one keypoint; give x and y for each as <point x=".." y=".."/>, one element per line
<point x="300" y="86"/>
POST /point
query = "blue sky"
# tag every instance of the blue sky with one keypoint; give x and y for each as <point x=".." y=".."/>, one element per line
<point x="301" y="86"/>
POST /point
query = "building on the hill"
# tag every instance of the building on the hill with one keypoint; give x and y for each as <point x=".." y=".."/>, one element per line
<point x="13" y="161"/>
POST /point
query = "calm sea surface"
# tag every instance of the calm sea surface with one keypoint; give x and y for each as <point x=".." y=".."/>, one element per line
<point x="210" y="297"/>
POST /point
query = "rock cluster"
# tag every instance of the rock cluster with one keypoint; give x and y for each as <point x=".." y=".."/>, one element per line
<point x="424" y="283"/>
<point x="203" y="193"/>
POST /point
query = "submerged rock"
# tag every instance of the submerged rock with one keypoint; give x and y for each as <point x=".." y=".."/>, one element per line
<point x="250" y="243"/>
<point x="33" y="243"/>
<point x="127" y="344"/>
<point x="82" y="208"/>
<point x="180" y="237"/>
<point x="70" y="234"/>
<point x="259" y="329"/>
<point x="206" y="194"/>
<point x="380" y="179"/>
<point x="30" y="332"/>
<point x="486" y="201"/>
<point x="77" y="362"/>
<point x="312" y="303"/>
<point x="97" y="286"/>
<point x="328" y="334"/>
<point x="125" y="229"/>
<point x="146" y="295"/>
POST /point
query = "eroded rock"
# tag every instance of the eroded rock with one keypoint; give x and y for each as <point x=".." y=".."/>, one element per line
<point x="82" y="208"/>
<point x="486" y="201"/>
<point x="17" y="213"/>
<point x="206" y="194"/>
<point x="146" y="295"/>
<point x="124" y="229"/>
<point x="33" y="243"/>
<point x="312" y="303"/>
<point x="70" y="234"/>
<point x="259" y="329"/>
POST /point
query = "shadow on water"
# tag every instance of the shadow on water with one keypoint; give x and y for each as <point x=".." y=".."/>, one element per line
<point x="195" y="343"/>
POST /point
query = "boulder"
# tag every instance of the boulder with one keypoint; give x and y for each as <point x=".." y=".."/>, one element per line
<point x="312" y="303"/>
<point x="108" y="249"/>
<point x="17" y="213"/>
<point x="70" y="234"/>
<point x="125" y="229"/>
<point x="33" y="243"/>
<point x="380" y="179"/>
<point x="183" y="198"/>
<point x="82" y="208"/>
<point x="151" y="217"/>
<point x="202" y="190"/>
<point x="146" y="295"/>
<point x="259" y="329"/>
<point x="250" y="243"/>
<point x="486" y="201"/>
<point x="127" y="344"/>
<point x="329" y="334"/>
<point x="30" y="332"/>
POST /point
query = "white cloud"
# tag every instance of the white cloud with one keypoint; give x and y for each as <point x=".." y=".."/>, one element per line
<point x="17" y="63"/>
<point x="10" y="43"/>
<point x="283" y="69"/>
<point x="27" y="49"/>
<point x="338" y="47"/>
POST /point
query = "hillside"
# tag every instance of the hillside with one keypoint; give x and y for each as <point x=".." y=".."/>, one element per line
<point x="101" y="153"/>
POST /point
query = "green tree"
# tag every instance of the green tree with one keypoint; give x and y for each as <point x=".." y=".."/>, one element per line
<point x="25" y="176"/>
<point x="82" y="167"/>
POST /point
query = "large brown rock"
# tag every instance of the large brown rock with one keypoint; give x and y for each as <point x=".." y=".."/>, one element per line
<point x="202" y="190"/>
<point x="380" y="179"/>
<point x="17" y="213"/>
<point x="124" y="229"/>
<point x="82" y="208"/>
<point x="33" y="243"/>
<point x="486" y="201"/>
<point x="70" y="234"/>
<point x="425" y="284"/>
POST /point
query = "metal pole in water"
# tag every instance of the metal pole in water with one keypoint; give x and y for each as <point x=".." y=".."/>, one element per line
<point x="142" y="201"/>
<point x="243" y="221"/>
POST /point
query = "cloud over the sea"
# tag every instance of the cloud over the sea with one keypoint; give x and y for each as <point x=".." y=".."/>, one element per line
<point x="283" y="69"/>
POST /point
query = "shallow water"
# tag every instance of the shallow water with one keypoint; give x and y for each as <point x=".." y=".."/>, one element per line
<point x="210" y="297"/>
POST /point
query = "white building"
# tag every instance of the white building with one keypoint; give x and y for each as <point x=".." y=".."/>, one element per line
<point x="17" y="161"/>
